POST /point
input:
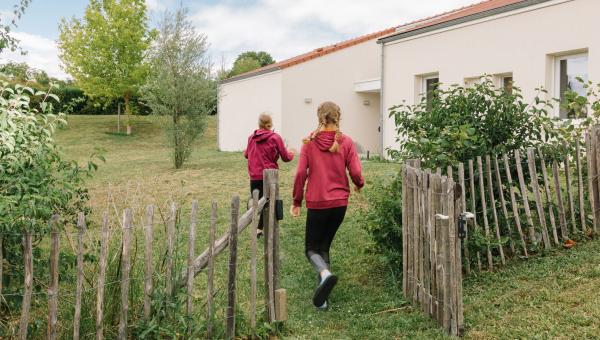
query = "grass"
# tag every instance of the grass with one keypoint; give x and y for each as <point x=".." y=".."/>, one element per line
<point x="554" y="296"/>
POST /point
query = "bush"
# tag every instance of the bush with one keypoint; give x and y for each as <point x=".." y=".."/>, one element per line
<point x="383" y="218"/>
<point x="462" y="123"/>
<point x="35" y="181"/>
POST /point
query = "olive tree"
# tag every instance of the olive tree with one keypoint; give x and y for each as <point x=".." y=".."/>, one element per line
<point x="179" y="84"/>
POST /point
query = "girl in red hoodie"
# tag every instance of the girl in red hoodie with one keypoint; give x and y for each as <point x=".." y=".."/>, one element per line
<point x="263" y="150"/>
<point x="324" y="159"/>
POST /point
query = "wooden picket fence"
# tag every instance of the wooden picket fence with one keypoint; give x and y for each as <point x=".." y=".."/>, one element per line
<point x="520" y="204"/>
<point x="275" y="296"/>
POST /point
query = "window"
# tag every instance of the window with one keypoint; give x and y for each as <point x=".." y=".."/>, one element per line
<point x="471" y="82"/>
<point x="569" y="70"/>
<point x="429" y="85"/>
<point x="507" y="83"/>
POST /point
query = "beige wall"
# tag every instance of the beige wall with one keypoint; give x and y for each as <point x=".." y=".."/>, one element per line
<point x="241" y="102"/>
<point x="522" y="42"/>
<point x="332" y="77"/>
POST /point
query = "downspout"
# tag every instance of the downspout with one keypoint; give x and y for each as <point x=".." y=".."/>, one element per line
<point x="381" y="103"/>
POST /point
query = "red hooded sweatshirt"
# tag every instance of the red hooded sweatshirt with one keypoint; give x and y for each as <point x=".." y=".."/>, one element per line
<point x="328" y="185"/>
<point x="263" y="151"/>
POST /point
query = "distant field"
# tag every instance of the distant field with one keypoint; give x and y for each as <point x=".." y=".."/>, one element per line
<point x="547" y="297"/>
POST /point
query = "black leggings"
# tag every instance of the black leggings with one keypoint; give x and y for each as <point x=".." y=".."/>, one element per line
<point x="321" y="227"/>
<point x="257" y="184"/>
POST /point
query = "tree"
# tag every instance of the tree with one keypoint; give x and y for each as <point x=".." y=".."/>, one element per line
<point x="6" y="40"/>
<point x="249" y="61"/>
<point x="179" y="83"/>
<point x="104" y="51"/>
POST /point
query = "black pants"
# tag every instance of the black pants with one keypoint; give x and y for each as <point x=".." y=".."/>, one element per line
<point x="321" y="227"/>
<point x="257" y="184"/>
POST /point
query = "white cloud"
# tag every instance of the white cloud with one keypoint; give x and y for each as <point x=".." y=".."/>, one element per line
<point x="42" y="53"/>
<point x="286" y="28"/>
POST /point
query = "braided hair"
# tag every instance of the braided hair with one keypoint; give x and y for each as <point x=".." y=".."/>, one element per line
<point x="328" y="113"/>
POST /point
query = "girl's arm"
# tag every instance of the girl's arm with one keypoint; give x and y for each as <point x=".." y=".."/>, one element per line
<point x="286" y="156"/>
<point x="301" y="176"/>
<point x="354" y="167"/>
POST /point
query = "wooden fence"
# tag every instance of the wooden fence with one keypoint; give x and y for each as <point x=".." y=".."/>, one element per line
<point x="275" y="297"/>
<point x="519" y="204"/>
<point x="431" y="248"/>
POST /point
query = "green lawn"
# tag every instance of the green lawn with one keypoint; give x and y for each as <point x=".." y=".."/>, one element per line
<point x="547" y="297"/>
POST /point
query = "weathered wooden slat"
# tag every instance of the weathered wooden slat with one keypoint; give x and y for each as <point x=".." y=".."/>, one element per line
<point x="27" y="285"/>
<point x="231" y="289"/>
<point x="447" y="199"/>
<point x="592" y="175"/>
<point x="484" y="209"/>
<point x="170" y="250"/>
<point x="548" y="197"/>
<point x="190" y="264"/>
<point x="409" y="231"/>
<point x="488" y="169"/>
<point x="426" y="242"/>
<point x="79" y="285"/>
<point x="503" y="204"/>
<point x="451" y="256"/>
<point x="463" y="196"/>
<point x="580" y="186"/>
<point x="210" y="270"/>
<point x="405" y="199"/>
<point x="524" y="197"/>
<point x="431" y="242"/>
<point x="1" y="262"/>
<point x="562" y="218"/>
<point x="474" y="206"/>
<point x="53" y="284"/>
<point x="253" y="255"/>
<point x="535" y="187"/>
<point x="515" y="207"/>
<point x="595" y="151"/>
<point x="281" y="305"/>
<point x="102" y="262"/>
<point x="415" y="237"/>
<point x="459" y="207"/>
<point x="125" y="271"/>
<point x="148" y="255"/>
<point x="570" y="196"/>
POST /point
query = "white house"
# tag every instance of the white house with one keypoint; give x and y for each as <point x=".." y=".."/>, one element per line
<point x="530" y="42"/>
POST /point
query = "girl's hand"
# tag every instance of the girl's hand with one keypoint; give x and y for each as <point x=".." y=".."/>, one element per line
<point x="357" y="189"/>
<point x="294" y="211"/>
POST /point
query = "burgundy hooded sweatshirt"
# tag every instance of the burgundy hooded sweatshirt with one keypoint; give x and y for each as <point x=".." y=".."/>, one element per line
<point x="263" y="151"/>
<point x="328" y="185"/>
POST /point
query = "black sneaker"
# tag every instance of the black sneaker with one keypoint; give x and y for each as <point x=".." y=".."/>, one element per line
<point x="323" y="290"/>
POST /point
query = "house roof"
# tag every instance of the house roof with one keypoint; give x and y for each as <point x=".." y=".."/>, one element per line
<point x="454" y="17"/>
<point x="316" y="53"/>
<point x="465" y="14"/>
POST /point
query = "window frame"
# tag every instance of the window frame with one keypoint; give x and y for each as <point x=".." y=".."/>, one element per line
<point x="425" y="88"/>
<point x="556" y="74"/>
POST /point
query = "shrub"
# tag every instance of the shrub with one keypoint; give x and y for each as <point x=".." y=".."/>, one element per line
<point x="35" y="181"/>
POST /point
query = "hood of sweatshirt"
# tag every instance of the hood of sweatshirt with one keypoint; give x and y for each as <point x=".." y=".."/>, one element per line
<point x="262" y="135"/>
<point x="324" y="140"/>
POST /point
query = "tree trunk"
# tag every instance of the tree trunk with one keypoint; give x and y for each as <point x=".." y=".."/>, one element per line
<point x="176" y="142"/>
<point x="128" y="113"/>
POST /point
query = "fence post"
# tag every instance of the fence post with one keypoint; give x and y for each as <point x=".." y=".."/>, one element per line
<point x="570" y="196"/>
<point x="503" y="203"/>
<point x="523" y="189"/>
<point x="170" y="248"/>
<point x="235" y="207"/>
<point x="404" y="230"/>
<point x="463" y="204"/>
<point x="53" y="286"/>
<point x="271" y="245"/>
<point x="592" y="175"/>
<point x="548" y="196"/>
<point x="488" y="168"/>
<point x="102" y="278"/>
<point x="28" y="285"/>
<point x="580" y="186"/>
<point x="536" y="195"/>
<point x="190" y="264"/>
<point x="125" y="269"/>
<point x="474" y="205"/>
<point x="210" y="269"/>
<point x="148" y="273"/>
<point x="459" y="207"/>
<point x="515" y="207"/>
<point x="484" y="209"/>
<point x="79" y="284"/>
<point x="1" y="261"/>
<point x="253" y="252"/>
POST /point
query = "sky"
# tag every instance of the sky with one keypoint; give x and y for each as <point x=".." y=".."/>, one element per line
<point x="283" y="28"/>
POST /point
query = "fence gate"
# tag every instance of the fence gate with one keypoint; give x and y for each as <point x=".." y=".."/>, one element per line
<point x="431" y="261"/>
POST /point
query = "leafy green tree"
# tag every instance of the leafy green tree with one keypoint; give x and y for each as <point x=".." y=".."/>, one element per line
<point x="179" y="84"/>
<point x="6" y="40"/>
<point x="104" y="51"/>
<point x="249" y="61"/>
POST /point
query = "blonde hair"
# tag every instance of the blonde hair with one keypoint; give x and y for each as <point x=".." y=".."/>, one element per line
<point x="265" y="121"/>
<point x="328" y="113"/>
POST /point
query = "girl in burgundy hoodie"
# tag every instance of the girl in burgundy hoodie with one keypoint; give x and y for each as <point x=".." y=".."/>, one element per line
<point x="324" y="159"/>
<point x="263" y="150"/>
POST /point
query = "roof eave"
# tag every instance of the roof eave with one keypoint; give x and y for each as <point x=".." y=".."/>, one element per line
<point x="462" y="20"/>
<point x="249" y="75"/>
